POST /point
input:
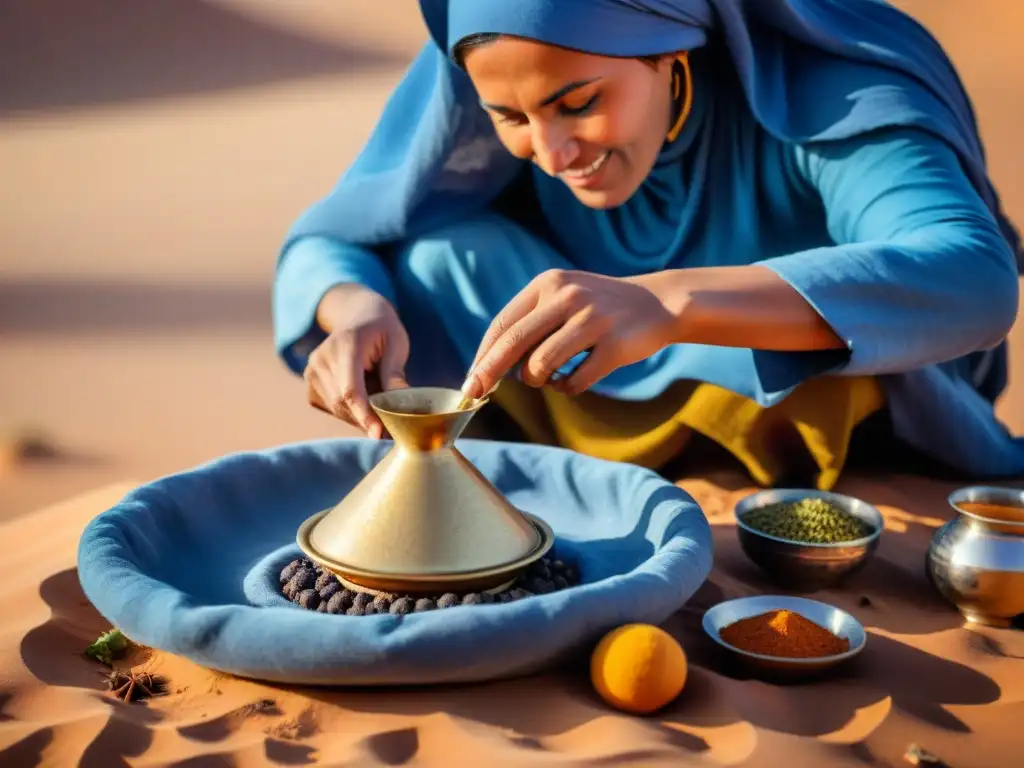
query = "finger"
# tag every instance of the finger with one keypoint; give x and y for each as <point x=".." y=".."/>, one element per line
<point x="392" y="368"/>
<point x="513" y="346"/>
<point x="598" y="364"/>
<point x="515" y="310"/>
<point x="316" y="393"/>
<point x="350" y="395"/>
<point x="576" y="336"/>
<point x="313" y="395"/>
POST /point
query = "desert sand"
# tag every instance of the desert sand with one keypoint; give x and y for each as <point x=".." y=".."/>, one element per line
<point x="152" y="159"/>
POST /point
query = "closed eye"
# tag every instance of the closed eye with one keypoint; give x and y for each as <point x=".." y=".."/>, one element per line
<point x="581" y="110"/>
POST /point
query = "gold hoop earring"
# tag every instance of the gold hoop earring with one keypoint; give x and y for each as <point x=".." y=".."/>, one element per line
<point x="681" y="78"/>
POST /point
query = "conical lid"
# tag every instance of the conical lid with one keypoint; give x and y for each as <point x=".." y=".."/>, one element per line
<point x="424" y="509"/>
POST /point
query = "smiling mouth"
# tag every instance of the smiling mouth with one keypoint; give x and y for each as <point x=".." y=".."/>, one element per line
<point x="581" y="173"/>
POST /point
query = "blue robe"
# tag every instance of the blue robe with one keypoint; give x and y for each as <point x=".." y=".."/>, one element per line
<point x="879" y="214"/>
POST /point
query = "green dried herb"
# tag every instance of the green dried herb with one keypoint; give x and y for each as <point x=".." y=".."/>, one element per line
<point x="108" y="646"/>
<point x="810" y="521"/>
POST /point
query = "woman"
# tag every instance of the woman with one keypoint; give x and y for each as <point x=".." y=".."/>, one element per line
<point x="762" y="222"/>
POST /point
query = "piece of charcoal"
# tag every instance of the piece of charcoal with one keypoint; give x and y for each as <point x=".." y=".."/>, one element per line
<point x="425" y="604"/>
<point x="522" y="594"/>
<point x="557" y="566"/>
<point x="370" y="610"/>
<point x="540" y="571"/>
<point x="322" y="608"/>
<point x="362" y="599"/>
<point x="382" y="603"/>
<point x="289" y="571"/>
<point x="487" y="598"/>
<point x="330" y="590"/>
<point x="559" y="582"/>
<point x="355" y="610"/>
<point x="291" y="589"/>
<point x="305" y="578"/>
<point x="308" y="598"/>
<point x="473" y="598"/>
<point x="403" y="606"/>
<point x="325" y="578"/>
<point x="337" y="603"/>
<point x="448" y="600"/>
<point x="540" y="586"/>
<point x="571" y="574"/>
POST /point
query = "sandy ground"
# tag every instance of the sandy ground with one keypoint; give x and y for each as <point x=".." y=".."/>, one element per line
<point x="153" y="156"/>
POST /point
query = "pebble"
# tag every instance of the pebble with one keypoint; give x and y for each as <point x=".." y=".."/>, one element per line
<point x="314" y="588"/>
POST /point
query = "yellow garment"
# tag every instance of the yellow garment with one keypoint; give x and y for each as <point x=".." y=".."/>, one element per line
<point x="823" y="412"/>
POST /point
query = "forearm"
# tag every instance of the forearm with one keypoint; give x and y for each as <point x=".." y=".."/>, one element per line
<point x="747" y="306"/>
<point x="306" y="288"/>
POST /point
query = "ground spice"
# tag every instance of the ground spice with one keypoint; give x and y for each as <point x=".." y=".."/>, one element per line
<point x="784" y="634"/>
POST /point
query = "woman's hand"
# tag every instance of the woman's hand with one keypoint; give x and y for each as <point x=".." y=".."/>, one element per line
<point x="364" y="335"/>
<point x="562" y="313"/>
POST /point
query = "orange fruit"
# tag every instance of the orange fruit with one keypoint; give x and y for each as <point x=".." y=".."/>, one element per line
<point x="638" y="668"/>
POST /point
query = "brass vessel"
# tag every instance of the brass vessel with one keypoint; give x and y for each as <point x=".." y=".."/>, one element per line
<point x="977" y="563"/>
<point x="424" y="520"/>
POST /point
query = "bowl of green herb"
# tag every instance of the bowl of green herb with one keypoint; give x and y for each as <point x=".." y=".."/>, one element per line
<point x="807" y="539"/>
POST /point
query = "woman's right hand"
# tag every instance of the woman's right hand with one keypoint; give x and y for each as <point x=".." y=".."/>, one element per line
<point x="364" y="335"/>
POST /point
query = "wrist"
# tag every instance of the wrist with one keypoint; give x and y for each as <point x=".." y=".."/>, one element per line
<point x="674" y="290"/>
<point x="338" y="300"/>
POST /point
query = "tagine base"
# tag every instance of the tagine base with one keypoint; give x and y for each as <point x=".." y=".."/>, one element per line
<point x="492" y="579"/>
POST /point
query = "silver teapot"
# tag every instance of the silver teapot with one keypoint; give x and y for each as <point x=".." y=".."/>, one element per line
<point x="977" y="561"/>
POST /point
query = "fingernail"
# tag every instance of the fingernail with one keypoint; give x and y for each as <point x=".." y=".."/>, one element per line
<point x="376" y="431"/>
<point x="471" y="387"/>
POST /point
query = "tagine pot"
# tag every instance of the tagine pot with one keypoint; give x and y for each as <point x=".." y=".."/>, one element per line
<point x="424" y="520"/>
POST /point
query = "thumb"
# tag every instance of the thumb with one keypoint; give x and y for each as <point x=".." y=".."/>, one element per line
<point x="392" y="369"/>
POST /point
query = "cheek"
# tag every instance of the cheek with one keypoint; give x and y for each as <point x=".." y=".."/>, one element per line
<point x="515" y="139"/>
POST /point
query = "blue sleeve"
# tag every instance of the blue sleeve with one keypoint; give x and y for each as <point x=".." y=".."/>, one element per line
<point x="920" y="273"/>
<point x="306" y="271"/>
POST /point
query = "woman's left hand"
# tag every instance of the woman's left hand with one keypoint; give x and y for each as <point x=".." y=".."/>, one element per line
<point x="562" y="313"/>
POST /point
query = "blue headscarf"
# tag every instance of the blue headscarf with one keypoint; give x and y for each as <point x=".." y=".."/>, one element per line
<point x="811" y="70"/>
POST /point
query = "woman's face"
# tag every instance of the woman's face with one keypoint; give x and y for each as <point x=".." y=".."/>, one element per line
<point x="596" y="123"/>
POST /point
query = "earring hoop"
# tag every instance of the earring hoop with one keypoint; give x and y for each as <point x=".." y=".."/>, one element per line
<point x="684" y="61"/>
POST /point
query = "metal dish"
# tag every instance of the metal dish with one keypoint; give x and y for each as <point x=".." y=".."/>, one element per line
<point x="491" y="579"/>
<point x="835" y="620"/>
<point x="800" y="565"/>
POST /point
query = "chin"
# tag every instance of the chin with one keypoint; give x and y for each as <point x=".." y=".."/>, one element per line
<point x="603" y="199"/>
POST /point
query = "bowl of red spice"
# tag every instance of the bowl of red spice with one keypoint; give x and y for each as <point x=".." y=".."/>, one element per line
<point x="782" y="634"/>
<point x="807" y="540"/>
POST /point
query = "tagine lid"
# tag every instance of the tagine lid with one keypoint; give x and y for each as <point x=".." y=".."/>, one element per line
<point x="424" y="509"/>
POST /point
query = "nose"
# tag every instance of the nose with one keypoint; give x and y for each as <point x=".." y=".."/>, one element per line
<point x="554" y="149"/>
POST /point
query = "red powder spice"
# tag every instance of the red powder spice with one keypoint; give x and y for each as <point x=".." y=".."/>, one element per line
<point x="784" y="634"/>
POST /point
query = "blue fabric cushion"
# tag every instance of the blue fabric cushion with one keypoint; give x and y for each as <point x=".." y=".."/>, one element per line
<point x="189" y="564"/>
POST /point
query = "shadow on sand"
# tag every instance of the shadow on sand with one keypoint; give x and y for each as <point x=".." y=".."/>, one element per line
<point x="70" y="307"/>
<point x="67" y="53"/>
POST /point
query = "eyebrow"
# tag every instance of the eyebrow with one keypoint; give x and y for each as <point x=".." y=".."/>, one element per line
<point x="550" y="99"/>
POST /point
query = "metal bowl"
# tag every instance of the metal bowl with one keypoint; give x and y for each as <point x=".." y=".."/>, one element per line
<point x="835" y="620"/>
<point x="800" y="565"/>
